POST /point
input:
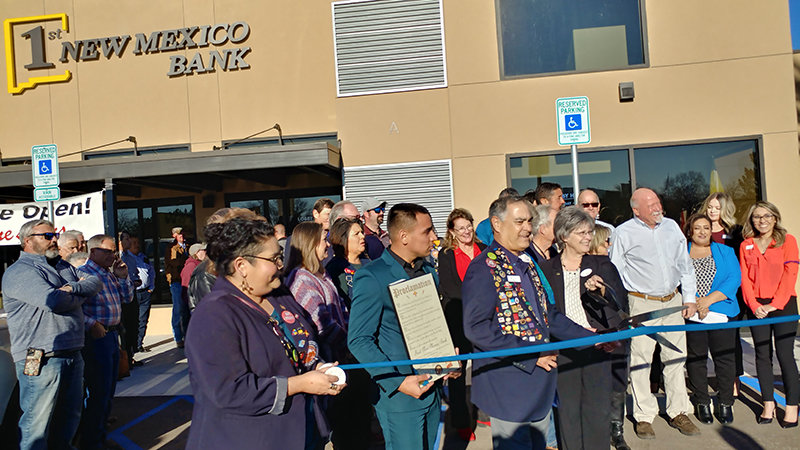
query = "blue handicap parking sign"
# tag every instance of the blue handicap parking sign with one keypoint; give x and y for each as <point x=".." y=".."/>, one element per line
<point x="45" y="166"/>
<point x="572" y="122"/>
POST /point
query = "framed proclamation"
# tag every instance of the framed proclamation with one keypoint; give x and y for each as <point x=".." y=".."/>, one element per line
<point x="422" y="322"/>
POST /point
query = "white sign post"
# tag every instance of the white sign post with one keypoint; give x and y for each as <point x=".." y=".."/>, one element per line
<point x="44" y="162"/>
<point x="573" y="128"/>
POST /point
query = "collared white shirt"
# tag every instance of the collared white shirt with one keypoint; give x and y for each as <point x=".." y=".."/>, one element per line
<point x="653" y="261"/>
<point x="605" y="224"/>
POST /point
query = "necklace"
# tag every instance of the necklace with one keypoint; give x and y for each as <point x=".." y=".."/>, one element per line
<point x="540" y="251"/>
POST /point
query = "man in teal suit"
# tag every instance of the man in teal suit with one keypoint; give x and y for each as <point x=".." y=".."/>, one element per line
<point x="408" y="413"/>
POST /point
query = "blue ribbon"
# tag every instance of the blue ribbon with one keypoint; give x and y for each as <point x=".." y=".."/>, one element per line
<point x="580" y="342"/>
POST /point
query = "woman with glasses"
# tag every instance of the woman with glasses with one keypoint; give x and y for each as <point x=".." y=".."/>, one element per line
<point x="314" y="290"/>
<point x="253" y="359"/>
<point x="601" y="241"/>
<point x="769" y="259"/>
<point x="586" y="289"/>
<point x="460" y="246"/>
<point x="718" y="278"/>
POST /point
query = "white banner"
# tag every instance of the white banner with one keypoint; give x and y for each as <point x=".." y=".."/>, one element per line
<point x="83" y="213"/>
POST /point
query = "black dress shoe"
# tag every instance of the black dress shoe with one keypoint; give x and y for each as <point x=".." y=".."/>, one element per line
<point x="724" y="413"/>
<point x="617" y="439"/>
<point x="703" y="414"/>
<point x="789" y="424"/>
<point x="765" y="420"/>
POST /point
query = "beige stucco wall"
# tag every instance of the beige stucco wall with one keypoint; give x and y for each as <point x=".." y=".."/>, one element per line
<point x="716" y="69"/>
<point x="291" y="80"/>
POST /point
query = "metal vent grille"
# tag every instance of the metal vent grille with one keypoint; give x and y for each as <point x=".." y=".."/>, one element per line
<point x="427" y="183"/>
<point x="388" y="46"/>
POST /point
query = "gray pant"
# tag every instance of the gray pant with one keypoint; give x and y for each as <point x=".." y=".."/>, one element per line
<point x="520" y="435"/>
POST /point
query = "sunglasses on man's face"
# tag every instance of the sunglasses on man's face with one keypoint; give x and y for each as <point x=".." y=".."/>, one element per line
<point x="592" y="204"/>
<point x="48" y="236"/>
<point x="378" y="210"/>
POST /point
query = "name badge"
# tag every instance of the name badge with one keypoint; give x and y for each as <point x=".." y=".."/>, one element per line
<point x="514" y="279"/>
<point x="748" y="247"/>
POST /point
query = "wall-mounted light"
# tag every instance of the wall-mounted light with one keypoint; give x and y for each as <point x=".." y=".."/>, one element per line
<point x="129" y="139"/>
<point x="626" y="93"/>
<point x="275" y="127"/>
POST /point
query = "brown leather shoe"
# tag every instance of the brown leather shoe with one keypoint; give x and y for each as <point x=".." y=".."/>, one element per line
<point x="684" y="425"/>
<point x="644" y="430"/>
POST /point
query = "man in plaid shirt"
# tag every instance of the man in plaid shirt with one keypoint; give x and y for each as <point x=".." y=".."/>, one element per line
<point x="102" y="315"/>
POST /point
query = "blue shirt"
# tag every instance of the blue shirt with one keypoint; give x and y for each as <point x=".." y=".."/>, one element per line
<point x="484" y="231"/>
<point x="40" y="314"/>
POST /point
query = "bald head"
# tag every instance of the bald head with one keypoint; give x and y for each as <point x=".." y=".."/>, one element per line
<point x="590" y="202"/>
<point x="646" y="207"/>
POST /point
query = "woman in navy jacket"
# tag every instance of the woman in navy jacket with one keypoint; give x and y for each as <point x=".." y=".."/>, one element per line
<point x="584" y="374"/>
<point x="718" y="278"/>
<point x="251" y="351"/>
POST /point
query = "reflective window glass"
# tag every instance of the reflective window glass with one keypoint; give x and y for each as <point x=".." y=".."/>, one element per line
<point x="605" y="172"/>
<point x="684" y="175"/>
<point x="544" y="36"/>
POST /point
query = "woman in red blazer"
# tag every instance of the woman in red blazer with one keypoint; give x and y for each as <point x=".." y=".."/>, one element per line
<point x="769" y="260"/>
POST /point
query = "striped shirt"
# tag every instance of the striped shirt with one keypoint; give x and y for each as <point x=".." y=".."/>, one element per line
<point x="106" y="306"/>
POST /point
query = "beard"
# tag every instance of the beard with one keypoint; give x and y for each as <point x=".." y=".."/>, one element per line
<point x="51" y="253"/>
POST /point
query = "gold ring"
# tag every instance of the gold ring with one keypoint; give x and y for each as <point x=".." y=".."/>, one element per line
<point x="333" y="386"/>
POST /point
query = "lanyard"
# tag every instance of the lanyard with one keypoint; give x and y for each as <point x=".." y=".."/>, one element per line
<point x="288" y="346"/>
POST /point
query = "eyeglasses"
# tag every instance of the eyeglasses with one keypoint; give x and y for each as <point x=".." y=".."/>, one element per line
<point x="277" y="259"/>
<point x="48" y="236"/>
<point x="378" y="210"/>
<point x="463" y="229"/>
<point x="766" y="218"/>
<point x="592" y="204"/>
<point x="584" y="233"/>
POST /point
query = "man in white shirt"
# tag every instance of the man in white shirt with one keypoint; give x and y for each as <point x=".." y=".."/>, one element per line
<point x="650" y="253"/>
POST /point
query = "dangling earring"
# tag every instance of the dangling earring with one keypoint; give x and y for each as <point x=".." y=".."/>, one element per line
<point x="245" y="287"/>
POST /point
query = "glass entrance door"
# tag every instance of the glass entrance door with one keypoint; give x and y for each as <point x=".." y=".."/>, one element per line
<point x="153" y="223"/>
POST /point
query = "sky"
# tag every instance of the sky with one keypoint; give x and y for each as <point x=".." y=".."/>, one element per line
<point x="794" y="13"/>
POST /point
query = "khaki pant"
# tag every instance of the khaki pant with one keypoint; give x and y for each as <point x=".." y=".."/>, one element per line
<point x="645" y="405"/>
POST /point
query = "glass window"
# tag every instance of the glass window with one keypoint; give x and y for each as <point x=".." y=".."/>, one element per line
<point x="257" y="206"/>
<point x="544" y="36"/>
<point x="684" y="175"/>
<point x="128" y="220"/>
<point x="794" y="19"/>
<point x="605" y="172"/>
<point x="301" y="208"/>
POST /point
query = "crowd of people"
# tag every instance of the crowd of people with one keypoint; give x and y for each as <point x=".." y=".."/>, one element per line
<point x="265" y="316"/>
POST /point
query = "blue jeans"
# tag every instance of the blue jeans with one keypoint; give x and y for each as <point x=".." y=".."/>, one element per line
<point x="180" y="312"/>
<point x="101" y="357"/>
<point x="144" y="314"/>
<point x="51" y="402"/>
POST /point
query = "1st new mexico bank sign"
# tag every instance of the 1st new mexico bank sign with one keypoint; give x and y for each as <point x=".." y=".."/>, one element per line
<point x="28" y="60"/>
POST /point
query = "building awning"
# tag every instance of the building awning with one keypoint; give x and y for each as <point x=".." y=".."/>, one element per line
<point x="188" y="171"/>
